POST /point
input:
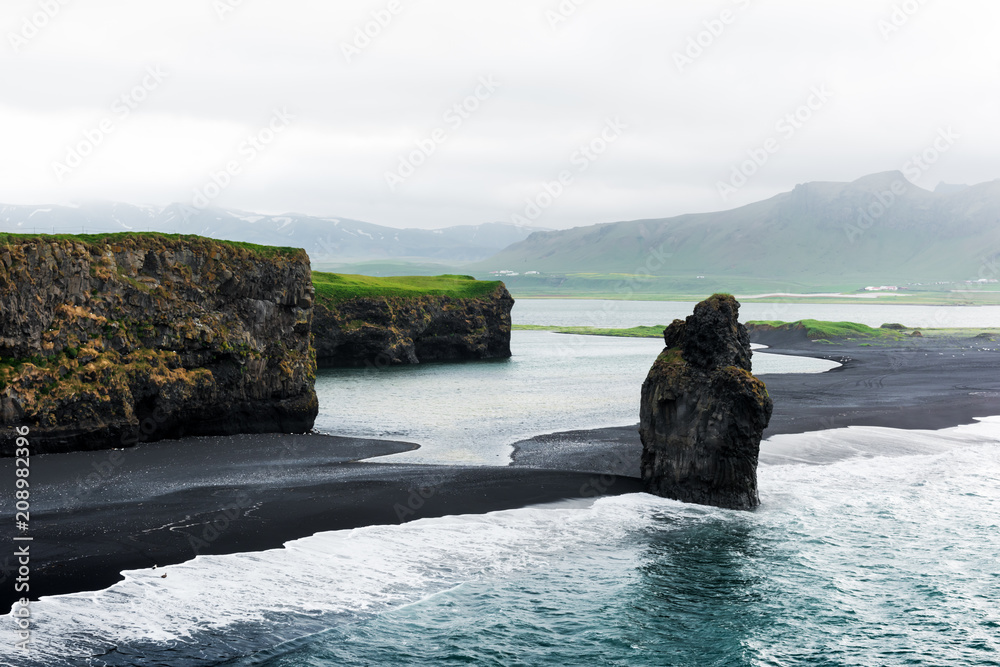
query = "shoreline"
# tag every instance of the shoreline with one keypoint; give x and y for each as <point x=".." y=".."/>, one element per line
<point x="98" y="513"/>
<point x="919" y="384"/>
<point x="157" y="504"/>
<point x="935" y="299"/>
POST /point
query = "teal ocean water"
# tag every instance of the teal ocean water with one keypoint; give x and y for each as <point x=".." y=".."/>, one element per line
<point x="872" y="547"/>
<point x="874" y="561"/>
<point x="888" y="556"/>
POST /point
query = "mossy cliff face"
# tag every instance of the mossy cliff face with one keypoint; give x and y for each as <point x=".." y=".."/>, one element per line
<point x="382" y="331"/>
<point x="107" y="342"/>
<point x="703" y="413"/>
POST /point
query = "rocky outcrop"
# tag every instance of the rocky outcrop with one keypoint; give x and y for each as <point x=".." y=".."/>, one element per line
<point x="703" y="412"/>
<point x="109" y="340"/>
<point x="385" y="331"/>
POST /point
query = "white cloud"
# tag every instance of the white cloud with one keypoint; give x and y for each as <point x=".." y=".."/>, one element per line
<point x="610" y="58"/>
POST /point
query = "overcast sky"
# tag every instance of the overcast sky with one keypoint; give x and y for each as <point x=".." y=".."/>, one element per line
<point x="142" y="101"/>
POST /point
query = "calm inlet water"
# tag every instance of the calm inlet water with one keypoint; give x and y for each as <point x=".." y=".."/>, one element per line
<point x="472" y="413"/>
<point x="872" y="547"/>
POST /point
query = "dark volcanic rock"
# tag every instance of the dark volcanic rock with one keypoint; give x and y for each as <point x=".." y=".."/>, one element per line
<point x="106" y="341"/>
<point x="388" y="331"/>
<point x="703" y="412"/>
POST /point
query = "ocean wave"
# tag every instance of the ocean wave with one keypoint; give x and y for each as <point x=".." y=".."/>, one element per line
<point x="923" y="504"/>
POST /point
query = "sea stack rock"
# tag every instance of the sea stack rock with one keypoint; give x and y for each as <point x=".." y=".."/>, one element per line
<point x="703" y="412"/>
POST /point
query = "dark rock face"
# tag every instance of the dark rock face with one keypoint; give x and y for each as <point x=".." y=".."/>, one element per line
<point x="112" y="341"/>
<point x="703" y="412"/>
<point x="396" y="330"/>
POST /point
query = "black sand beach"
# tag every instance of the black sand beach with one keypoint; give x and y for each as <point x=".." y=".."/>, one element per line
<point x="95" y="514"/>
<point x="921" y="383"/>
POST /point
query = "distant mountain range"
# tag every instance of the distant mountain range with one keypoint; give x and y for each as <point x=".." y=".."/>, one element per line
<point x="327" y="240"/>
<point x="878" y="230"/>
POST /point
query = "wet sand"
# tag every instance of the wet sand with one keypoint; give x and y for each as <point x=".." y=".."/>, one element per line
<point x="95" y="514"/>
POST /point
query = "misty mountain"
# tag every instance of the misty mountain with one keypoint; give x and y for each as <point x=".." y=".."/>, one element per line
<point x="325" y="239"/>
<point x="878" y="229"/>
<point x="948" y="188"/>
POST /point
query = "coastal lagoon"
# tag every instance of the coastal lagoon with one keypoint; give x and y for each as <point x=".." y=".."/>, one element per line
<point x="872" y="546"/>
<point x="471" y="413"/>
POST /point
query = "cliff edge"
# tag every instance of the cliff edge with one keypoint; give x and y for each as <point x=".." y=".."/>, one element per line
<point x="363" y="321"/>
<point x="107" y="340"/>
<point x="702" y="412"/>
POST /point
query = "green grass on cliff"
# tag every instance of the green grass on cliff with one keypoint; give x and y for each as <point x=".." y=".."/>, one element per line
<point x="334" y="287"/>
<point x="821" y="331"/>
<point x="818" y="329"/>
<point x="101" y="239"/>
<point x="634" y="332"/>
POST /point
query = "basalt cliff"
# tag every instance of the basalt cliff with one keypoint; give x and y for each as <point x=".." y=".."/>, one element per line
<point x="378" y="331"/>
<point x="108" y="340"/>
<point x="703" y="412"/>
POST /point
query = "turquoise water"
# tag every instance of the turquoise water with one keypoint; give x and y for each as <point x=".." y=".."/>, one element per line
<point x="879" y="558"/>
<point x="472" y="413"/>
<point x="872" y="547"/>
<point x="901" y="570"/>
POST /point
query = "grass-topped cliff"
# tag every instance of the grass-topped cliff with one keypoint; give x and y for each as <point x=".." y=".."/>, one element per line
<point x="109" y="338"/>
<point x="361" y="320"/>
<point x="824" y="330"/>
<point x="332" y="288"/>
<point x="818" y="331"/>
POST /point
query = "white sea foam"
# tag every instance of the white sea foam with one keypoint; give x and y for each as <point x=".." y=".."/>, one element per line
<point x="352" y="573"/>
<point x="213" y="603"/>
<point x="821" y="447"/>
